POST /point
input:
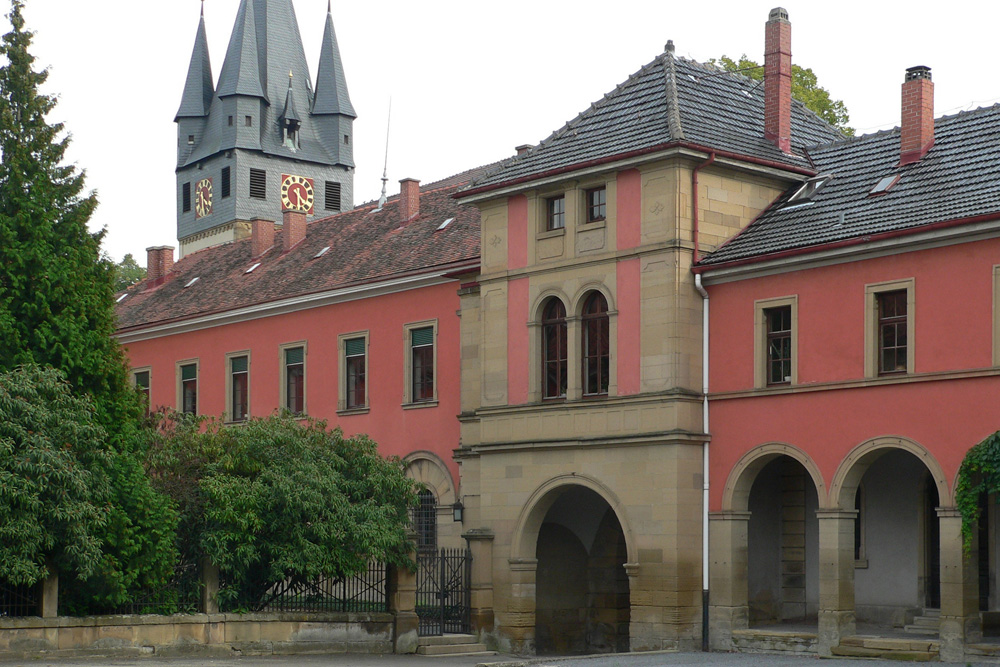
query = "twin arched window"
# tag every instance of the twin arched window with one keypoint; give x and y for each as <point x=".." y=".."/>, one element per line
<point x="595" y="348"/>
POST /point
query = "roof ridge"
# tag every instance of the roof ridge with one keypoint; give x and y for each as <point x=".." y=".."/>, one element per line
<point x="674" y="128"/>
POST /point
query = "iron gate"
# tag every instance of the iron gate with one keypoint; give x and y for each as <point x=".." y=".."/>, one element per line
<point x="443" y="593"/>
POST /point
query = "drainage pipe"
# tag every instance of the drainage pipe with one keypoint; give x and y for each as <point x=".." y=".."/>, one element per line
<point x="704" y="422"/>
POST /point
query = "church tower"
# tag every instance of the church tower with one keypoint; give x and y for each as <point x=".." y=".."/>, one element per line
<point x="264" y="140"/>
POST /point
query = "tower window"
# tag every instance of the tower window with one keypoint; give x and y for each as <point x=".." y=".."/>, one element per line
<point x="230" y="121"/>
<point x="190" y="140"/>
<point x="347" y="139"/>
<point x="226" y="183"/>
<point x="332" y="192"/>
<point x="258" y="184"/>
<point x="249" y="121"/>
<point x="186" y="197"/>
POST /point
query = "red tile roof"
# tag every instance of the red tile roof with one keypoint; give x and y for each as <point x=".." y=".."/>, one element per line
<point x="366" y="245"/>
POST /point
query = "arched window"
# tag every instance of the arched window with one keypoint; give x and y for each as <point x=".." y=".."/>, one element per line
<point x="554" y="349"/>
<point x="425" y="521"/>
<point x="596" y="349"/>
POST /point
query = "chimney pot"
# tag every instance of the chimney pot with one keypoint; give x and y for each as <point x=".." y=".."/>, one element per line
<point x="261" y="236"/>
<point x="294" y="229"/>
<point x="409" y="200"/>
<point x="916" y="134"/>
<point x="778" y="80"/>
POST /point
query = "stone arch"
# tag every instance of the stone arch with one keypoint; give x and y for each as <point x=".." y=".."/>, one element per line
<point x="525" y="536"/>
<point x="576" y="306"/>
<point x="428" y="468"/>
<point x="543" y="298"/>
<point x="856" y="463"/>
<point x="736" y="494"/>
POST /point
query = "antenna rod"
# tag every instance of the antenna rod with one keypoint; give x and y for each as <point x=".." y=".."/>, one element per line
<point x="385" y="169"/>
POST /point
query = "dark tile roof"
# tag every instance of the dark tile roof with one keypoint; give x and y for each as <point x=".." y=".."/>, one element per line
<point x="366" y="245"/>
<point x="958" y="178"/>
<point x="668" y="101"/>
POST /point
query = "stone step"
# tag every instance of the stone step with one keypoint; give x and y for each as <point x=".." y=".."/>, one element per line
<point x="447" y="640"/>
<point x="861" y="652"/>
<point x="454" y="649"/>
<point x="888" y="645"/>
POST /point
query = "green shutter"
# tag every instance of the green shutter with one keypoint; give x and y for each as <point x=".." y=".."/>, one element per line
<point x="420" y="337"/>
<point x="354" y="347"/>
<point x="189" y="372"/>
<point x="239" y="364"/>
<point x="295" y="355"/>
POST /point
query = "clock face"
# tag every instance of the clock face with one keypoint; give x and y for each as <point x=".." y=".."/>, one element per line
<point x="203" y="198"/>
<point x="297" y="193"/>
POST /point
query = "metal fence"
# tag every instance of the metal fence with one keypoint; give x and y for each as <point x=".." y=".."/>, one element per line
<point x="182" y="595"/>
<point x="18" y="601"/>
<point x="444" y="594"/>
<point x="366" y="591"/>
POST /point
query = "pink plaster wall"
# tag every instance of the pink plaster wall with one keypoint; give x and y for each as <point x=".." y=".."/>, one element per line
<point x="517" y="341"/>
<point x="517" y="232"/>
<point x="397" y="431"/>
<point x="953" y="324"/>
<point x="629" y="209"/>
<point x="628" y="326"/>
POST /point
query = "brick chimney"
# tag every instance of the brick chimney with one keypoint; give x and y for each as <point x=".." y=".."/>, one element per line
<point x="294" y="226"/>
<point x="778" y="80"/>
<point x="159" y="261"/>
<point x="523" y="148"/>
<point x="917" y="127"/>
<point x="261" y="236"/>
<point x="409" y="200"/>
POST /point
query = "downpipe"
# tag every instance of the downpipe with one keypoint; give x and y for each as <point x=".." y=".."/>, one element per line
<point x="704" y="502"/>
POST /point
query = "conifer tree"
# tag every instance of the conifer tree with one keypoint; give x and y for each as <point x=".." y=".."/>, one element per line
<point x="57" y="310"/>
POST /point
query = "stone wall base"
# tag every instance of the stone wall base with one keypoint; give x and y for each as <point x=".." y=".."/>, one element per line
<point x="197" y="634"/>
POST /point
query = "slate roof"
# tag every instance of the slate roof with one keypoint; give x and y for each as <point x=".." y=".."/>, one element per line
<point x="331" y="83"/>
<point x="199" y="88"/>
<point x="366" y="246"/>
<point x="958" y="178"/>
<point x="669" y="101"/>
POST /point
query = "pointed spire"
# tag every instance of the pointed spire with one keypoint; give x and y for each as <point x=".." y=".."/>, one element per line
<point x="198" y="88"/>
<point x="290" y="113"/>
<point x="241" y="70"/>
<point x="331" y="84"/>
<point x="385" y="169"/>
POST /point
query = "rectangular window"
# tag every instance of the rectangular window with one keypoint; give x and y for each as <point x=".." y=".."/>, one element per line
<point x="347" y="139"/>
<point x="258" y="184"/>
<point x="226" y="182"/>
<point x="422" y="351"/>
<point x="190" y="140"/>
<point x="239" y="387"/>
<point x="294" y="379"/>
<point x="555" y="212"/>
<point x="355" y="367"/>
<point x="889" y="342"/>
<point x="892" y="332"/>
<point x="332" y="192"/>
<point x="776" y="342"/>
<point x="187" y="377"/>
<point x="597" y="204"/>
<point x="230" y="121"/>
<point x="248" y="121"/>
<point x="141" y="382"/>
<point x="779" y="345"/>
<point x="186" y="197"/>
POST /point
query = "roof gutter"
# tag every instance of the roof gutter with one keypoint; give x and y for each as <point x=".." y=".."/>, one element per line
<point x="771" y="164"/>
<point x="845" y="243"/>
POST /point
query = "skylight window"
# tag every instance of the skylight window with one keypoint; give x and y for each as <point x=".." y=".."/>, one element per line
<point x="809" y="189"/>
<point x="250" y="270"/>
<point x="884" y="185"/>
<point x="121" y="298"/>
<point x="321" y="252"/>
<point x="192" y="282"/>
<point x="445" y="223"/>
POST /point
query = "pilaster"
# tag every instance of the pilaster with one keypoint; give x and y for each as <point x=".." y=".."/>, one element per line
<point x="480" y="542"/>
<point x="960" y="620"/>
<point x="836" y="578"/>
<point x="728" y="568"/>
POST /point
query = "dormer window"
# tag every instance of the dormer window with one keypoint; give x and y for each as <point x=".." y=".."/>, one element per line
<point x="291" y="134"/>
<point x="809" y="189"/>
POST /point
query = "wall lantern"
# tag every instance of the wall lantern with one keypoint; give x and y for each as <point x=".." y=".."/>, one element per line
<point x="457" y="509"/>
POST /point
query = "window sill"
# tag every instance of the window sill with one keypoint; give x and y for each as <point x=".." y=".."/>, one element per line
<point x="236" y="422"/>
<point x="420" y="404"/>
<point x="594" y="224"/>
<point x="861" y="564"/>
<point x="551" y="233"/>
<point x="354" y="411"/>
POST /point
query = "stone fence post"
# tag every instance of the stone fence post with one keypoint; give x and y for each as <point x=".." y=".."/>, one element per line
<point x="209" y="587"/>
<point x="402" y="590"/>
<point x="48" y="589"/>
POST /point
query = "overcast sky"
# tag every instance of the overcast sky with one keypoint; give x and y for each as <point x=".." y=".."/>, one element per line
<point x="469" y="81"/>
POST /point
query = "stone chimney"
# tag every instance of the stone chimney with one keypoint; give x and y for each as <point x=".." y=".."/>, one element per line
<point x="294" y="226"/>
<point x="917" y="126"/>
<point x="409" y="200"/>
<point x="778" y="80"/>
<point x="261" y="236"/>
<point x="159" y="261"/>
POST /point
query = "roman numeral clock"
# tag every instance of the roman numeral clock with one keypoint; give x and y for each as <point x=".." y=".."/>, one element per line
<point x="297" y="193"/>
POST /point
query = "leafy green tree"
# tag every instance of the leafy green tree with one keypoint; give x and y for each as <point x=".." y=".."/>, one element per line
<point x="57" y="309"/>
<point x="978" y="476"/>
<point x="805" y="88"/>
<point x="278" y="502"/>
<point x="128" y="273"/>
<point x="53" y="478"/>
